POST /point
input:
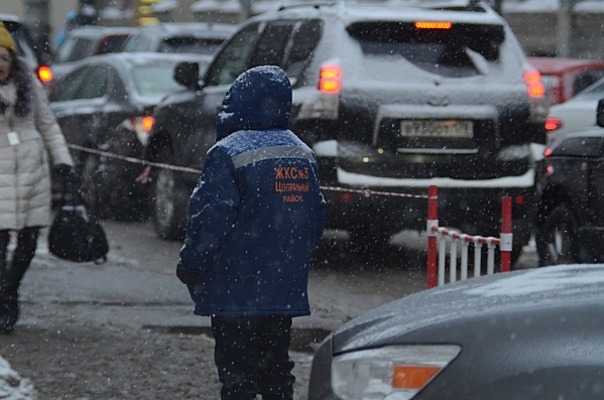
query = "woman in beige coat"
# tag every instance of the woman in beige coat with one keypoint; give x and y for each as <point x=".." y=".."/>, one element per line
<point x="29" y="135"/>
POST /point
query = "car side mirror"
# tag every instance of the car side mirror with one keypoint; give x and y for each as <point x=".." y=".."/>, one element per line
<point x="600" y="113"/>
<point x="187" y="74"/>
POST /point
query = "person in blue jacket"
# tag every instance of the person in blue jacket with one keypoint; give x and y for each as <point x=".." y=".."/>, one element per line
<point x="255" y="219"/>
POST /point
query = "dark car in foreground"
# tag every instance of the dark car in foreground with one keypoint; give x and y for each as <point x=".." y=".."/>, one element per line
<point x="570" y="227"/>
<point x="392" y="98"/>
<point x="105" y="104"/>
<point x="532" y="334"/>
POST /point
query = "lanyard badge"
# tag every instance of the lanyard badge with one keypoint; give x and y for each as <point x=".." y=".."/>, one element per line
<point x="13" y="138"/>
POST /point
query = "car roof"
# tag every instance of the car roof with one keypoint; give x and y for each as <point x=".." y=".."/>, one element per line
<point x="555" y="65"/>
<point x="195" y="29"/>
<point x="99" y="31"/>
<point x="410" y="10"/>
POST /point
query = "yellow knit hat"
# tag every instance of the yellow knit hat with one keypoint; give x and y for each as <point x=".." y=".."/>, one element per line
<point x="6" y="39"/>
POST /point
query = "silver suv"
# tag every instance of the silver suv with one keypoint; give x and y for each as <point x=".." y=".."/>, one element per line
<point x="392" y="98"/>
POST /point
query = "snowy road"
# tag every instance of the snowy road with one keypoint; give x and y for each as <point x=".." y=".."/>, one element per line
<point x="124" y="329"/>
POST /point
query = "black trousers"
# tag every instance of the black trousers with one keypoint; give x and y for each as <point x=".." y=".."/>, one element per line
<point x="12" y="273"/>
<point x="252" y="357"/>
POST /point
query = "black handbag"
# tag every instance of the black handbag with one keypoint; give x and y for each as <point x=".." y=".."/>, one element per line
<point x="75" y="234"/>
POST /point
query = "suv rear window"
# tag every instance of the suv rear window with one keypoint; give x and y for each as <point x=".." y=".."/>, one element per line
<point x="447" y="52"/>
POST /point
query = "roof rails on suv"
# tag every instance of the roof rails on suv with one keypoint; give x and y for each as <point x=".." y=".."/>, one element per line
<point x="451" y="5"/>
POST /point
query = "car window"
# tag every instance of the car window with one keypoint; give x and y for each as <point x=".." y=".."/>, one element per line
<point x="74" y="49"/>
<point x="305" y="38"/>
<point x="586" y="79"/>
<point x="138" y="42"/>
<point x="594" y="91"/>
<point x="67" y="88"/>
<point x="189" y="45"/>
<point x="579" y="147"/>
<point x="233" y="59"/>
<point x="111" y="44"/>
<point x="444" y="52"/>
<point x="270" y="49"/>
<point x="154" y="79"/>
<point x="96" y="83"/>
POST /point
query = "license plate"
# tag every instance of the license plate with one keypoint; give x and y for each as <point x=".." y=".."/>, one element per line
<point x="438" y="128"/>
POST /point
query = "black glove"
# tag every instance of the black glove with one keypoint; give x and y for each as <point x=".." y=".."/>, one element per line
<point x="69" y="182"/>
<point x="187" y="277"/>
<point x="66" y="173"/>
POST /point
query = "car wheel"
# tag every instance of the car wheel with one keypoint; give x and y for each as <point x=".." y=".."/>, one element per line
<point x="556" y="237"/>
<point x="170" y="203"/>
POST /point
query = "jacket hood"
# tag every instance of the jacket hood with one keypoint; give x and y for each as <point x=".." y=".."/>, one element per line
<point x="259" y="99"/>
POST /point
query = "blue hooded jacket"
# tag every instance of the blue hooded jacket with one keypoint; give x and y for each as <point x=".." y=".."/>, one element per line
<point x="257" y="213"/>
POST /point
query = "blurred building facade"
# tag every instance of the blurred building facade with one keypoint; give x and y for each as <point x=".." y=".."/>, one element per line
<point x="540" y="30"/>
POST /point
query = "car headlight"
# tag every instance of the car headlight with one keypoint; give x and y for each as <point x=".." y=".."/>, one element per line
<point x="393" y="373"/>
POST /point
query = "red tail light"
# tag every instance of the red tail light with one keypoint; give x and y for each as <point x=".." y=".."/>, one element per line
<point x="534" y="84"/>
<point x="45" y="74"/>
<point x="433" y="25"/>
<point x="330" y="78"/>
<point x="147" y="123"/>
<point x="551" y="124"/>
<point x="549" y="169"/>
<point x="547" y="152"/>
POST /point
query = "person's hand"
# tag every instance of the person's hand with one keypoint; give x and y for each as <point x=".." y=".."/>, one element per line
<point x="187" y="277"/>
<point x="65" y="172"/>
<point x="69" y="181"/>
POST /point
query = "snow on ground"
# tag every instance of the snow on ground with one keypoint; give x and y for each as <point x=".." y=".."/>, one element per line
<point x="13" y="386"/>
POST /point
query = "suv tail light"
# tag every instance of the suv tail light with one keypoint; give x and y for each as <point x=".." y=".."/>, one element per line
<point x="534" y="84"/>
<point x="45" y="74"/>
<point x="551" y="124"/>
<point x="330" y="78"/>
<point x="538" y="102"/>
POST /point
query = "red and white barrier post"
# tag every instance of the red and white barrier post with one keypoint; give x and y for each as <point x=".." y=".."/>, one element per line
<point x="432" y="224"/>
<point x="506" y="234"/>
<point x="437" y="245"/>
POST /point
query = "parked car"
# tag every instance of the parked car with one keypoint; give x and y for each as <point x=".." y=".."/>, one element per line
<point x="178" y="37"/>
<point x="570" y="226"/>
<point x="36" y="56"/>
<point x="576" y="114"/>
<point x="389" y="101"/>
<point x="105" y="104"/>
<point x="563" y="78"/>
<point x="531" y="334"/>
<point x="87" y="41"/>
